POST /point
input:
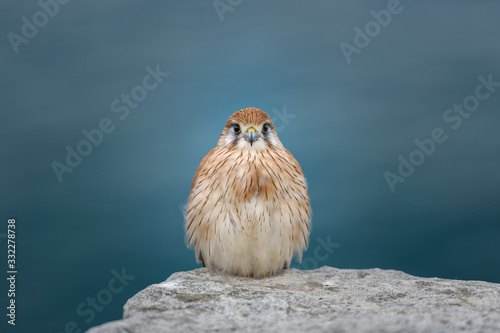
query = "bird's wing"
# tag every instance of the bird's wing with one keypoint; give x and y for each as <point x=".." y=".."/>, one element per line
<point x="202" y="166"/>
<point x="305" y="220"/>
<point x="295" y="164"/>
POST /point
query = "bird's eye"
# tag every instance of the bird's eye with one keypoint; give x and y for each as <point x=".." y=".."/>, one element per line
<point x="265" y="128"/>
<point x="236" y="128"/>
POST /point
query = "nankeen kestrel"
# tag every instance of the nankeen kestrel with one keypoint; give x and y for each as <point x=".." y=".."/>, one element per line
<point x="248" y="212"/>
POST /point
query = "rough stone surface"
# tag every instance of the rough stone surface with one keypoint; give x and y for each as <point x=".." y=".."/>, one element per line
<point x="323" y="300"/>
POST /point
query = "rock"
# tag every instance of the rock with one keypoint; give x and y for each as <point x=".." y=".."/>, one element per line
<point x="322" y="300"/>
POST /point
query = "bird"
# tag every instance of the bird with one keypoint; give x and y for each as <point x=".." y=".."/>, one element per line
<point x="248" y="212"/>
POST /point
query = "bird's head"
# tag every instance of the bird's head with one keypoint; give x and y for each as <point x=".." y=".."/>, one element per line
<point x="249" y="128"/>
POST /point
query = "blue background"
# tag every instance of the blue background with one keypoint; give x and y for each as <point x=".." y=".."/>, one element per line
<point x="120" y="208"/>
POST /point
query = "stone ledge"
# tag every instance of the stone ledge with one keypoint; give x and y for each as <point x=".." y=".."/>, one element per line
<point x="322" y="300"/>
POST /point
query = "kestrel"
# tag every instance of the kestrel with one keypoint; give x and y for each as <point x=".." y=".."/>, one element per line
<point x="248" y="212"/>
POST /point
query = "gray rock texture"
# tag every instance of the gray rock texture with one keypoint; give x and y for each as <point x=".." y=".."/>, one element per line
<point x="322" y="300"/>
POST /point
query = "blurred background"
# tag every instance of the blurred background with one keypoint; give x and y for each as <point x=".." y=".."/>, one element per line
<point x="350" y="84"/>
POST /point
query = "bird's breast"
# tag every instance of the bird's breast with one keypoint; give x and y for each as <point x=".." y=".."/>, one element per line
<point x="249" y="179"/>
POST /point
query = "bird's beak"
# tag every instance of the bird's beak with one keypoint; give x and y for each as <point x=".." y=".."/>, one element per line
<point x="251" y="135"/>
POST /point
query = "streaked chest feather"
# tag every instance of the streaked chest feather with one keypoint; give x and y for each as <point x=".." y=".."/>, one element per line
<point x="248" y="193"/>
<point x="249" y="176"/>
